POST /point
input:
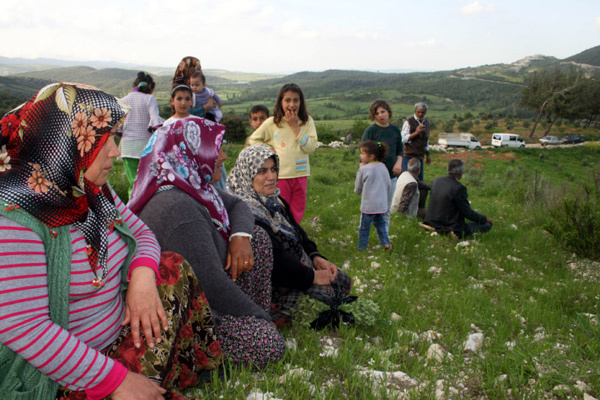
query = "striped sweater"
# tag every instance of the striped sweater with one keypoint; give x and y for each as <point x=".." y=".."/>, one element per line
<point x="70" y="357"/>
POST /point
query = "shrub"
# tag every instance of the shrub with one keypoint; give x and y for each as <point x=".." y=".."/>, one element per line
<point x="448" y="126"/>
<point x="236" y="128"/>
<point x="575" y="223"/>
<point x="326" y="134"/>
<point x="465" y="126"/>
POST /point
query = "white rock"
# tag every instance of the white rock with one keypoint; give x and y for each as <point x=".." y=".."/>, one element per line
<point x="397" y="379"/>
<point x="464" y="243"/>
<point x="375" y="265"/>
<point x="256" y="394"/>
<point x="434" y="270"/>
<point x="296" y="373"/>
<point x="329" y="351"/>
<point x="474" y="342"/>
<point x="435" y="352"/>
<point x="581" y="386"/>
<point x="290" y="344"/>
<point x="439" y="389"/>
<point x="588" y="397"/>
<point x="561" y="389"/>
<point x="395" y="317"/>
<point x="430" y="336"/>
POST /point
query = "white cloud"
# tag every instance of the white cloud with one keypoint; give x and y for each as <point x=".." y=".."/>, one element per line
<point x="597" y="20"/>
<point x="476" y="7"/>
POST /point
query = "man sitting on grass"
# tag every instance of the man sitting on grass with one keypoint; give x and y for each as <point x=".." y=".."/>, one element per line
<point x="449" y="205"/>
<point x="411" y="193"/>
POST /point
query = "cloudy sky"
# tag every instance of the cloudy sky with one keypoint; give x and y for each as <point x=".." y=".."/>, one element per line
<point x="287" y="36"/>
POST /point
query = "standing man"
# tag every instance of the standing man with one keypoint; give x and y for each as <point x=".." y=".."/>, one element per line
<point x="415" y="136"/>
<point x="449" y="205"/>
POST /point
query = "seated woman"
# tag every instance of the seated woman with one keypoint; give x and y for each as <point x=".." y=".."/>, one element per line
<point x="69" y="247"/>
<point x="299" y="267"/>
<point x="214" y="231"/>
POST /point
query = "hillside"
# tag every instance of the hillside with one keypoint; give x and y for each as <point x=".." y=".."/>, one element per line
<point x="589" y="56"/>
<point x="337" y="93"/>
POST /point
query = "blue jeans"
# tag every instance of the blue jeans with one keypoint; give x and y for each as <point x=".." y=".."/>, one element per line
<point x="365" y="227"/>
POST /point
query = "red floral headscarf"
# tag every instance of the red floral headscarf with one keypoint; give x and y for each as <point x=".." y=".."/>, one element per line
<point x="47" y="144"/>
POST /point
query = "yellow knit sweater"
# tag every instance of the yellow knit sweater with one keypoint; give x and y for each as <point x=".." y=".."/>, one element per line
<point x="292" y="150"/>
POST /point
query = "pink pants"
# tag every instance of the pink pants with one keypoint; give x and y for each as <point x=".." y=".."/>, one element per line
<point x="293" y="190"/>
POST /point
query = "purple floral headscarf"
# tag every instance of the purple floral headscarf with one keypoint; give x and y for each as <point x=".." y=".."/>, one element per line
<point x="183" y="154"/>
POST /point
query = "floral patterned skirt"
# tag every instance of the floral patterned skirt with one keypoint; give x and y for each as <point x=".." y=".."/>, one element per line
<point x="188" y="347"/>
<point x="251" y="340"/>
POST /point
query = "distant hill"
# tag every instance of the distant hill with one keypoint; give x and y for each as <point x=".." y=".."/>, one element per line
<point x="494" y="87"/>
<point x="589" y="56"/>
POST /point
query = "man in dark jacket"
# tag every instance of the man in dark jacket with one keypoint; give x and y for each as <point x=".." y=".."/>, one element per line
<point x="449" y="205"/>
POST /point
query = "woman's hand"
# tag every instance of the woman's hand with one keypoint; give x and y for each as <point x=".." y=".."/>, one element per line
<point x="322" y="264"/>
<point x="239" y="256"/>
<point x="137" y="387"/>
<point x="209" y="105"/>
<point x="142" y="305"/>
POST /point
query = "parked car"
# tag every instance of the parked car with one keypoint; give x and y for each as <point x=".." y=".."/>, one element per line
<point x="573" y="139"/>
<point x="507" y="140"/>
<point x="550" y="140"/>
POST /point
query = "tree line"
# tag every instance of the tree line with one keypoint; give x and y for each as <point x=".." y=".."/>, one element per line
<point x="561" y="94"/>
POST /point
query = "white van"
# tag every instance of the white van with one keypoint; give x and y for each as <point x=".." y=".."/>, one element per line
<point x="507" y="140"/>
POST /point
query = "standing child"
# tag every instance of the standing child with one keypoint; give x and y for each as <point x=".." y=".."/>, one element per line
<point x="373" y="182"/>
<point x="291" y="133"/>
<point x="141" y="121"/>
<point x="258" y="115"/>
<point x="181" y="101"/>
<point x="385" y="132"/>
<point x="202" y="94"/>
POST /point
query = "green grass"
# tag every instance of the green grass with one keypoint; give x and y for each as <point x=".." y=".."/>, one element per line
<point x="539" y="316"/>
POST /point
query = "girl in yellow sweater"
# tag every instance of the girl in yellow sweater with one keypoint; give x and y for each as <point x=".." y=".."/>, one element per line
<point x="290" y="133"/>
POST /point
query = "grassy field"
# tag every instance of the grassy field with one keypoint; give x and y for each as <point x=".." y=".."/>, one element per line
<point x="535" y="303"/>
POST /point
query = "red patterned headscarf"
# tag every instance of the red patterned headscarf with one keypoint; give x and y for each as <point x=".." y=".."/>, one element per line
<point x="183" y="154"/>
<point x="47" y="144"/>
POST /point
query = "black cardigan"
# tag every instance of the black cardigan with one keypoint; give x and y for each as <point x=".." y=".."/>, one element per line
<point x="288" y="269"/>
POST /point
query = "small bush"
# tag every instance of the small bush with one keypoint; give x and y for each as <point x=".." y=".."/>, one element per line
<point x="575" y="223"/>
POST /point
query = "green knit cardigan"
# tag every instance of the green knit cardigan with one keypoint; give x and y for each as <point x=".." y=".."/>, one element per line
<point x="19" y="380"/>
